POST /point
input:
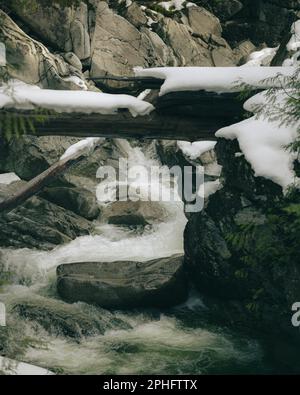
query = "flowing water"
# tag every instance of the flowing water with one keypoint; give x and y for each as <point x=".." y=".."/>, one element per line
<point x="178" y="340"/>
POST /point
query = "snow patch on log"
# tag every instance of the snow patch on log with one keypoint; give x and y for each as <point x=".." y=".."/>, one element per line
<point x="83" y="147"/>
<point x="196" y="149"/>
<point x="17" y="94"/>
<point x="214" y="79"/>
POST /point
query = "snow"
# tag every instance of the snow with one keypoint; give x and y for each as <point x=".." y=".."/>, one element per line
<point x="82" y="147"/>
<point x="2" y="55"/>
<point x="8" y="178"/>
<point x="127" y="2"/>
<point x="211" y="187"/>
<point x="175" y="5"/>
<point x="294" y="43"/>
<point x="212" y="79"/>
<point x="77" y="81"/>
<point x="261" y="58"/>
<point x="17" y="94"/>
<point x="263" y="142"/>
<point x="12" y="367"/>
<point x="144" y="94"/>
<point x="196" y="149"/>
<point x="293" y="61"/>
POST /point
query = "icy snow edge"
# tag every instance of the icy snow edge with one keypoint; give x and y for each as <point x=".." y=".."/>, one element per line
<point x="19" y="95"/>
<point x="212" y="79"/>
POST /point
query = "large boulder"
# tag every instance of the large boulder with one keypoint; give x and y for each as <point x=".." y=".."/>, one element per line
<point x="124" y="285"/>
<point x="38" y="223"/>
<point x="79" y="200"/>
<point x="28" y="156"/>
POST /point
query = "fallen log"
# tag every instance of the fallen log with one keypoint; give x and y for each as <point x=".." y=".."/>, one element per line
<point x="178" y="116"/>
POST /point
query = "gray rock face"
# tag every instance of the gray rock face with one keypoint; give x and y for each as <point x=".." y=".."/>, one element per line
<point x="29" y="156"/>
<point x="65" y="28"/>
<point x="189" y="52"/>
<point x="135" y="15"/>
<point x="118" y="46"/>
<point x="124" y="285"/>
<point x="59" y="318"/>
<point x="203" y="22"/>
<point x="30" y="61"/>
<point x="76" y="199"/>
<point x="79" y="31"/>
<point x="38" y="223"/>
<point x="243" y="50"/>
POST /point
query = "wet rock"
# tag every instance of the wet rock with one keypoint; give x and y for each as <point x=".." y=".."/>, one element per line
<point x="63" y="319"/>
<point x="38" y="223"/>
<point x="29" y="156"/>
<point x="124" y="285"/>
<point x="133" y="213"/>
<point x="76" y="199"/>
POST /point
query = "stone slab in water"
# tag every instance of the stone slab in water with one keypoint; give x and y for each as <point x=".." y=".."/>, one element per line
<point x="124" y="284"/>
